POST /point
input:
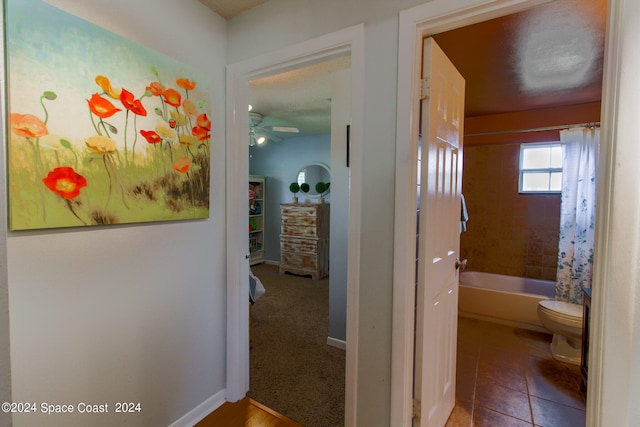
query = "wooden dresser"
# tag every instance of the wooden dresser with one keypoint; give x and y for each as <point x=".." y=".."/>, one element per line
<point x="304" y="239"/>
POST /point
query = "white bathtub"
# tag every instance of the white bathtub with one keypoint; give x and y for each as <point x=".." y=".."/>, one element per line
<point x="509" y="300"/>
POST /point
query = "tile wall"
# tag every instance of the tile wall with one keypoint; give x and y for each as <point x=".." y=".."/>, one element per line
<point x="507" y="233"/>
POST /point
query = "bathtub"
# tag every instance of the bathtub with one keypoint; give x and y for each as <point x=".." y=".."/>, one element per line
<point x="509" y="300"/>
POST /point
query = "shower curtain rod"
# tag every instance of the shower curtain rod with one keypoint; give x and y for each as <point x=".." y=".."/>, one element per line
<point x="540" y="129"/>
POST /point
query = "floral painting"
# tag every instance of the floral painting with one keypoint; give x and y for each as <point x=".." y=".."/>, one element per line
<point x="101" y="130"/>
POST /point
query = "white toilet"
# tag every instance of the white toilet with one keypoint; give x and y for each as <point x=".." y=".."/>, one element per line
<point x="564" y="319"/>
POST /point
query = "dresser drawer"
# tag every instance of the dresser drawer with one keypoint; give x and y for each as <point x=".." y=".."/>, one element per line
<point x="299" y="210"/>
<point x="293" y="244"/>
<point x="299" y="221"/>
<point x="298" y="231"/>
<point x="299" y="261"/>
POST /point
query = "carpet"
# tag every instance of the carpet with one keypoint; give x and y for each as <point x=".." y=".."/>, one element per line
<point x="293" y="370"/>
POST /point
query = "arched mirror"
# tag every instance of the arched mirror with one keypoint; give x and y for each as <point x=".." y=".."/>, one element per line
<point x="312" y="174"/>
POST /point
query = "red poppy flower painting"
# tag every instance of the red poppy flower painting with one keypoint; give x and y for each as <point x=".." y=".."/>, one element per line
<point x="155" y="88"/>
<point x="131" y="104"/>
<point x="65" y="182"/>
<point x="186" y="84"/>
<point x="182" y="165"/>
<point x="151" y="136"/>
<point x="201" y="131"/>
<point x="204" y="122"/>
<point x="28" y="126"/>
<point x="172" y="97"/>
<point x="105" y="84"/>
<point x="105" y="132"/>
<point x="101" y="107"/>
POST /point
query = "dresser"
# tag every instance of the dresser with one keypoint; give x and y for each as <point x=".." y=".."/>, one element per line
<point x="304" y="239"/>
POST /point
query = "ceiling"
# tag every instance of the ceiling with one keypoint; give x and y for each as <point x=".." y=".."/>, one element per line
<point x="550" y="55"/>
<point x="230" y="8"/>
<point x="299" y="98"/>
<point x="547" y="56"/>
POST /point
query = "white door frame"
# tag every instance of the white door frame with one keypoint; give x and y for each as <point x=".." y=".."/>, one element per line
<point x="415" y="23"/>
<point x="349" y="40"/>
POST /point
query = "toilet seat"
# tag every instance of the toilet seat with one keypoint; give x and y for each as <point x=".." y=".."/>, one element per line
<point x="562" y="309"/>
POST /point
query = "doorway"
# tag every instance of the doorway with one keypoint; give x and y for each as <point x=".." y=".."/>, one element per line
<point x="415" y="24"/>
<point x="304" y="268"/>
<point x="348" y="41"/>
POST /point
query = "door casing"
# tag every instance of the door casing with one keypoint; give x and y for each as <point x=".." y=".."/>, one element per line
<point x="351" y="41"/>
<point x="415" y="24"/>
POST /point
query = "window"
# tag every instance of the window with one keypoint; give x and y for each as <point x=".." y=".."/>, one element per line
<point x="540" y="168"/>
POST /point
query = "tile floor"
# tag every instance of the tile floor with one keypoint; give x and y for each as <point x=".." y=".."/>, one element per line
<point x="506" y="377"/>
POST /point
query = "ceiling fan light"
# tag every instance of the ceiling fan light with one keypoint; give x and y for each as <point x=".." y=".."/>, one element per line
<point x="261" y="139"/>
<point x="285" y="129"/>
<point x="250" y="107"/>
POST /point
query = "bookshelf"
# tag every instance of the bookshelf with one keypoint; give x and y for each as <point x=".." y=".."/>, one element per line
<point x="256" y="219"/>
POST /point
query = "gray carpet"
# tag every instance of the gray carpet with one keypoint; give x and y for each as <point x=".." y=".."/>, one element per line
<point x="293" y="370"/>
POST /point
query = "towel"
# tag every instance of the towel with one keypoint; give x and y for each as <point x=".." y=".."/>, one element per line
<point x="464" y="215"/>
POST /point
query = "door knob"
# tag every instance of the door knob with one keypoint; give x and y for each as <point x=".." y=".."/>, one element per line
<point x="461" y="265"/>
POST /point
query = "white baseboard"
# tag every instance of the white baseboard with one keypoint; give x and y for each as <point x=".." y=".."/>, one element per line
<point x="198" y="413"/>
<point x="334" y="342"/>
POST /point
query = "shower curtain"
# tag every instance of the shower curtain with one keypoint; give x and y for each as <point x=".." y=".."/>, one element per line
<point x="577" y="212"/>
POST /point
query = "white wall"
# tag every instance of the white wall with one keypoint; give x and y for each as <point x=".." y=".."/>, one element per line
<point x="127" y="313"/>
<point x="281" y="23"/>
<point x="5" y="342"/>
<point x="619" y="315"/>
<point x="340" y="118"/>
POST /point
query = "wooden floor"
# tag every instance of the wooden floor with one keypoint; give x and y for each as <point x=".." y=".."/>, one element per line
<point x="246" y="413"/>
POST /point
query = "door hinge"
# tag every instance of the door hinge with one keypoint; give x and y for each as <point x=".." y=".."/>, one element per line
<point x="417" y="409"/>
<point x="425" y="88"/>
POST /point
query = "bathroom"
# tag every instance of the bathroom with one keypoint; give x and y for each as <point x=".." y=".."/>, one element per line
<point x="507" y="369"/>
<point x="530" y="77"/>
<point x="517" y="234"/>
<point x="512" y="235"/>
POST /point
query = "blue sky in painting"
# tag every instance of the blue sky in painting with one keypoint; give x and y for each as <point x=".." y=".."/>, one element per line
<point x="51" y="50"/>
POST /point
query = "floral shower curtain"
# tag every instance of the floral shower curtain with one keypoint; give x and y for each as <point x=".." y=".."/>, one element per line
<point x="577" y="212"/>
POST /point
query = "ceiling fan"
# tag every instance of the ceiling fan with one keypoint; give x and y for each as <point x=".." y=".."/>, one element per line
<point x="259" y="133"/>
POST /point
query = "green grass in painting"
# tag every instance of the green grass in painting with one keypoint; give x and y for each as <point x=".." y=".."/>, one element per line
<point x="150" y="190"/>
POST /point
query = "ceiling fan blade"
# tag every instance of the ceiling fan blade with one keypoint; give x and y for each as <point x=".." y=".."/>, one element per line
<point x="288" y="129"/>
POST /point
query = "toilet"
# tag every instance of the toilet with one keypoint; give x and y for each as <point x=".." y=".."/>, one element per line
<point x="564" y="320"/>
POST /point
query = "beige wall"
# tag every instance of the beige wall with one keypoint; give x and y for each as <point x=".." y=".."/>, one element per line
<point x="508" y="233"/>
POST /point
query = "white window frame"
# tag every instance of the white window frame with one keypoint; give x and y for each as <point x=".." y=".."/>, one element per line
<point x="549" y="170"/>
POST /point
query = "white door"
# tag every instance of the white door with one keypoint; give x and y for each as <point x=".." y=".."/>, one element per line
<point x="440" y="184"/>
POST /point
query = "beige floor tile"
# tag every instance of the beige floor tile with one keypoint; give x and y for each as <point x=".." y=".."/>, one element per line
<point x="551" y="380"/>
<point x="484" y="417"/>
<point x="503" y="375"/>
<point x="551" y="414"/>
<point x="460" y="417"/>
<point x="506" y="377"/>
<point x="504" y="400"/>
